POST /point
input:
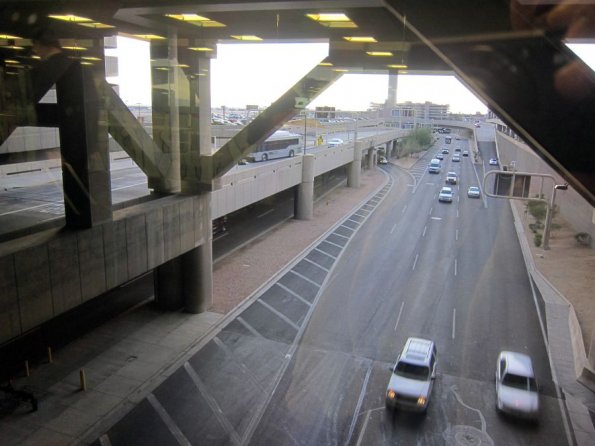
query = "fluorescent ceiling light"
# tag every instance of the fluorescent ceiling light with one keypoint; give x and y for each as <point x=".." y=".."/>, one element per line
<point x="361" y="39"/>
<point x="332" y="20"/>
<point x="196" y="20"/>
<point x="149" y="36"/>
<point x="74" y="48"/>
<point x="200" y="48"/>
<point x="247" y="38"/>
<point x="97" y="25"/>
<point x="397" y="66"/>
<point x="70" y="18"/>
<point x="8" y="36"/>
<point x="325" y="64"/>
<point x="380" y="53"/>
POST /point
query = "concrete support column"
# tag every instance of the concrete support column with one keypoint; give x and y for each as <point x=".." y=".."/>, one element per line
<point x="197" y="273"/>
<point x="388" y="149"/>
<point x="305" y="196"/>
<point x="169" y="285"/>
<point x="353" y="175"/>
<point x="82" y="121"/>
<point x="371" y="154"/>
<point x="166" y="113"/>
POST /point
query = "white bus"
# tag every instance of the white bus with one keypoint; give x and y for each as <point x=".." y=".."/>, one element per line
<point x="281" y="144"/>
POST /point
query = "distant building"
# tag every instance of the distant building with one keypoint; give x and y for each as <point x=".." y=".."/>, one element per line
<point x="410" y="115"/>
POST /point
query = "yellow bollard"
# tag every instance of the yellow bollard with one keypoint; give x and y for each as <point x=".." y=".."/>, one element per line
<point x="83" y="380"/>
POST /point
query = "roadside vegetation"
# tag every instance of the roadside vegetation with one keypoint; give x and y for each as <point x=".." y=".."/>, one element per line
<point x="418" y="140"/>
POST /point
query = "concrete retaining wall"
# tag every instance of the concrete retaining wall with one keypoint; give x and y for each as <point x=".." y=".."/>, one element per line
<point x="46" y="274"/>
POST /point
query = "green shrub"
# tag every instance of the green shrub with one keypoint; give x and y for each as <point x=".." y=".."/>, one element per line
<point x="537" y="239"/>
<point x="583" y="238"/>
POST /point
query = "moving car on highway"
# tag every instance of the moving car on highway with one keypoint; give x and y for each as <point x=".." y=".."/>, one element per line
<point x="445" y="195"/>
<point x="473" y="192"/>
<point x="516" y="388"/>
<point x="493" y="162"/>
<point x="412" y="377"/>
<point x="334" y="142"/>
<point x="451" y="178"/>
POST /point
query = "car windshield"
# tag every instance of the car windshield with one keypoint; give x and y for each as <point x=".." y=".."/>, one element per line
<point x="412" y="371"/>
<point x="519" y="382"/>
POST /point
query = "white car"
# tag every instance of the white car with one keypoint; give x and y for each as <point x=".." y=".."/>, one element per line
<point x="516" y="388"/>
<point x="473" y="192"/>
<point x="412" y="376"/>
<point x="451" y="177"/>
<point x="445" y="195"/>
<point x="334" y="142"/>
<point x="493" y="162"/>
<point x="382" y="160"/>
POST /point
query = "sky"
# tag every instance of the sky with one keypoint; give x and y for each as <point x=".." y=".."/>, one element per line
<point x="243" y="74"/>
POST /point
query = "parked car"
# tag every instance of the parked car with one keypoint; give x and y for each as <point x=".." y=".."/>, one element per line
<point x="493" y="162"/>
<point x="473" y="192"/>
<point x="382" y="160"/>
<point x="412" y="378"/>
<point x="445" y="195"/>
<point x="516" y="388"/>
<point x="334" y="142"/>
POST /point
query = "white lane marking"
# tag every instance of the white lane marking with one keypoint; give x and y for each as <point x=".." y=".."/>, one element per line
<point x="265" y="213"/>
<point x="457" y="213"/>
<point x="393" y="228"/>
<point x="168" y="420"/>
<point x="363" y="431"/>
<point x="339" y="235"/>
<point x="214" y="406"/>
<point x="325" y="253"/>
<point x="415" y="261"/>
<point x="307" y="279"/>
<point x="404" y="209"/>
<point x="457" y="234"/>
<point x="279" y="314"/>
<point x="315" y="264"/>
<point x="399" y="316"/>
<point x="359" y="404"/>
<point x="425" y="229"/>
<point x="294" y="294"/>
<point x="456" y="264"/>
<point x="431" y="209"/>
<point x="436" y="218"/>
<point x="130" y="185"/>
<point x="454" y="321"/>
<point x="26" y="209"/>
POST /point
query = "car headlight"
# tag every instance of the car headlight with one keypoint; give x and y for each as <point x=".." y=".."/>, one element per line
<point x="421" y="401"/>
<point x="391" y="394"/>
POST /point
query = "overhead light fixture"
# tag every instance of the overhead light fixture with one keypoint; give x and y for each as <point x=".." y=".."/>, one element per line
<point x="149" y="36"/>
<point x="379" y="53"/>
<point x="91" y="58"/>
<point x="340" y="70"/>
<point x="13" y="47"/>
<point x="397" y="66"/>
<point x="8" y="36"/>
<point x="201" y="48"/>
<point x="333" y="20"/>
<point x="97" y="25"/>
<point x="74" y="48"/>
<point x="84" y="62"/>
<point x="247" y="38"/>
<point x="70" y="18"/>
<point x="325" y="64"/>
<point x="196" y="20"/>
<point x="11" y="61"/>
<point x="361" y="39"/>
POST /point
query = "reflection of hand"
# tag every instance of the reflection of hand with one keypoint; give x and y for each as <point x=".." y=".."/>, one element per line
<point x="574" y="80"/>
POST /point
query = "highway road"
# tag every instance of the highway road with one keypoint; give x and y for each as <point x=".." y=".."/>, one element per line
<point x="307" y="363"/>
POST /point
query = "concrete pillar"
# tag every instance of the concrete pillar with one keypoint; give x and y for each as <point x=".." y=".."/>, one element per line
<point x="371" y="153"/>
<point x="82" y="122"/>
<point x="169" y="285"/>
<point x="388" y="149"/>
<point x="166" y="117"/>
<point x="353" y="175"/>
<point x="197" y="274"/>
<point x="305" y="195"/>
<point x="392" y="91"/>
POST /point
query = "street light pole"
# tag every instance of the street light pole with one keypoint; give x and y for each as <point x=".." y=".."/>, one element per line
<point x="305" y="129"/>
<point x="549" y="215"/>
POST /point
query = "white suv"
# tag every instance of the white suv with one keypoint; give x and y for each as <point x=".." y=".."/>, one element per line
<point x="412" y="377"/>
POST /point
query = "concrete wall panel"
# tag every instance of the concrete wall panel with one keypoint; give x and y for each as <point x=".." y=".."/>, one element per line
<point x="187" y="224"/>
<point x="171" y="231"/>
<point x="116" y="254"/>
<point x="92" y="262"/>
<point x="64" y="273"/>
<point x="136" y="245"/>
<point x="33" y="286"/>
<point x="10" y="321"/>
<point x="155" y="244"/>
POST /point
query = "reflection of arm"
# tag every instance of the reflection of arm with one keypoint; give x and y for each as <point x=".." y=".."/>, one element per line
<point x="574" y="80"/>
